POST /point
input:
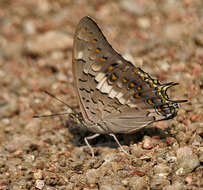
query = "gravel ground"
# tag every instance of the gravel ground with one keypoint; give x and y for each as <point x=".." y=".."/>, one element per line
<point x="165" y="38"/>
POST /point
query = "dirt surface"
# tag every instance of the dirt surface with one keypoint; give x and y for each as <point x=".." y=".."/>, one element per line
<point x="164" y="37"/>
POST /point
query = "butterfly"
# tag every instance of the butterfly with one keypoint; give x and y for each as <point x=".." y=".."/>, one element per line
<point x="114" y="95"/>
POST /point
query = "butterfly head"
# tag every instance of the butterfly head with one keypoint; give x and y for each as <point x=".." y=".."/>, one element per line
<point x="169" y="108"/>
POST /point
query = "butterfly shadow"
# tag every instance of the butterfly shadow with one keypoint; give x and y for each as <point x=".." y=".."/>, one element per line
<point x="79" y="132"/>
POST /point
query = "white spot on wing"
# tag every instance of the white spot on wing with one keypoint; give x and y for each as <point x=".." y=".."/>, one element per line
<point x="101" y="82"/>
<point x="122" y="100"/>
<point x="119" y="95"/>
<point x="96" y="67"/>
<point x="99" y="77"/>
<point x="79" y="55"/>
<point x="119" y="84"/>
<point x="132" y="105"/>
<point x="119" y="62"/>
<point x="106" y="87"/>
<point x="113" y="93"/>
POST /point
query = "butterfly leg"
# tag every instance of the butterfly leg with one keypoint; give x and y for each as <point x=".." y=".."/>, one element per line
<point x="114" y="136"/>
<point x="87" y="143"/>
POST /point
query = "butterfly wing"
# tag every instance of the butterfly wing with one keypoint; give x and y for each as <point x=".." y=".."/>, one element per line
<point x="112" y="91"/>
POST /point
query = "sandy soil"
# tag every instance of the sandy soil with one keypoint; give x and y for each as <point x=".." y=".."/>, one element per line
<point x="166" y="40"/>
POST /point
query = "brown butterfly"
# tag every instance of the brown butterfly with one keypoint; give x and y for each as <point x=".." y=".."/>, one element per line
<point x="114" y="95"/>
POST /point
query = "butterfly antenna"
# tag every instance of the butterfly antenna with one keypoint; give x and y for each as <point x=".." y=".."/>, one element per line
<point x="51" y="115"/>
<point x="48" y="93"/>
<point x="57" y="114"/>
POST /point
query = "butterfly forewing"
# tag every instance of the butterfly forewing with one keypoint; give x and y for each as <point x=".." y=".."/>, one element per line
<point x="112" y="92"/>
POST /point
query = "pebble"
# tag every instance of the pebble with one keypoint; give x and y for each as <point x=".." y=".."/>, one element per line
<point x="147" y="143"/>
<point x="158" y="182"/>
<point x="199" y="39"/>
<point x="201" y="157"/>
<point x="143" y="22"/>
<point x="175" y="186"/>
<point x="38" y="174"/>
<point x="188" y="163"/>
<point x="29" y="27"/>
<point x="92" y="176"/>
<point x="48" y="42"/>
<point x="39" y="184"/>
<point x="189" y="179"/>
<point x="111" y="187"/>
<point x="175" y="31"/>
<point x="106" y="187"/>
<point x="183" y="151"/>
<point x="162" y="170"/>
<point x="133" y="7"/>
<point x="171" y="159"/>
<point x="138" y="183"/>
<point x="18" y="142"/>
<point x="34" y="54"/>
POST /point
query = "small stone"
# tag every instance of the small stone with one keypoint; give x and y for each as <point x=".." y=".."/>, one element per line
<point x="125" y="182"/>
<point x="133" y="7"/>
<point x="106" y="187"/>
<point x="188" y="179"/>
<point x="158" y="182"/>
<point x="175" y="31"/>
<point x="199" y="39"/>
<point x="175" y="186"/>
<point x="147" y="143"/>
<point x="201" y="157"/>
<point x="183" y="151"/>
<point x="18" y="142"/>
<point x="111" y="187"/>
<point x="170" y="140"/>
<point x="92" y="176"/>
<point x="180" y="172"/>
<point x="39" y="184"/>
<point x="76" y="166"/>
<point x="50" y="41"/>
<point x="143" y="22"/>
<point x="171" y="159"/>
<point x="188" y="163"/>
<point x="29" y="27"/>
<point x="38" y="174"/>
<point x="164" y="66"/>
<point x="138" y="183"/>
<point x="162" y="170"/>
